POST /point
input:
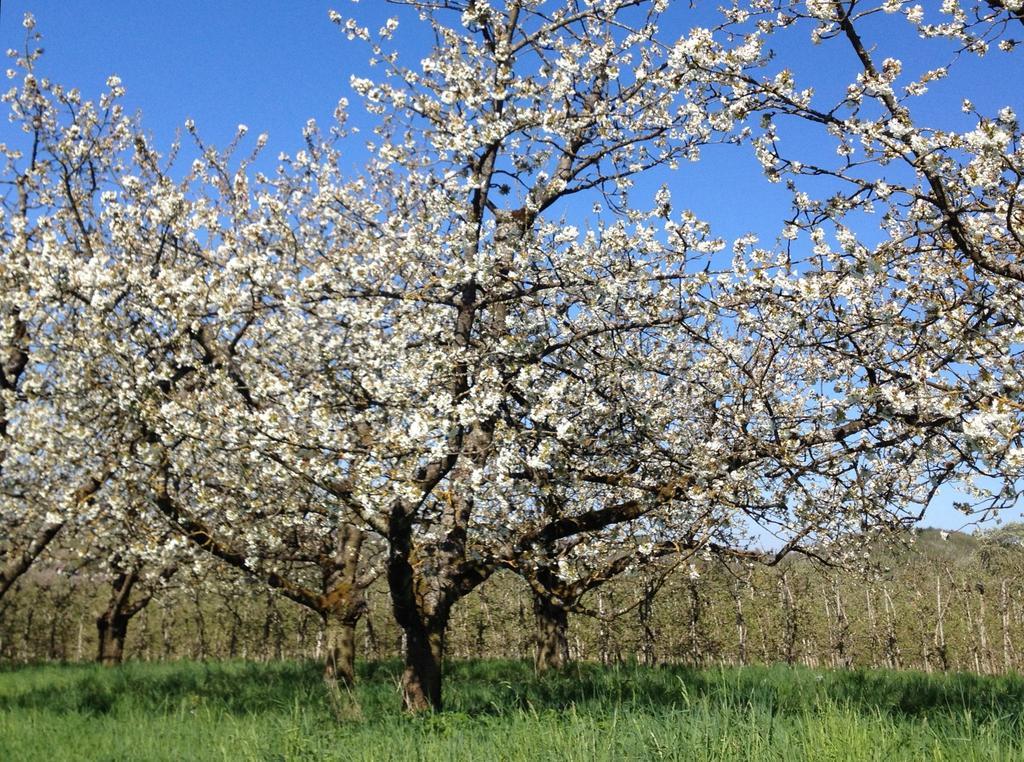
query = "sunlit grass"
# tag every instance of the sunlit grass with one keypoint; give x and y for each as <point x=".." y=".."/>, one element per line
<point x="501" y="711"/>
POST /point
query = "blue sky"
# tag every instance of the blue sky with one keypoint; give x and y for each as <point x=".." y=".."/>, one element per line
<point x="273" y="65"/>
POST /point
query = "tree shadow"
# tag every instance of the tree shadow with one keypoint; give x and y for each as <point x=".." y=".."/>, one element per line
<point x="232" y="687"/>
<point x="493" y="688"/>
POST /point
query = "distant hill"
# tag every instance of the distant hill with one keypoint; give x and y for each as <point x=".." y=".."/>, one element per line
<point x="945" y="548"/>
<point x="952" y="548"/>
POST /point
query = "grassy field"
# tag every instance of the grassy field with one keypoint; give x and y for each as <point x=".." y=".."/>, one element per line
<point x="500" y="711"/>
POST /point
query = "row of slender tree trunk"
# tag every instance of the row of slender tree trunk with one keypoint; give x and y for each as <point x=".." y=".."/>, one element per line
<point x="944" y="622"/>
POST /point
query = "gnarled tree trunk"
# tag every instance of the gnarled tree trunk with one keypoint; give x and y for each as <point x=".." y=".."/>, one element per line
<point x="340" y="654"/>
<point x="551" y="647"/>
<point x="421" y="606"/>
<point x="340" y="649"/>
<point x="423" y="631"/>
<point x="424" y="654"/>
<point x="341" y="606"/>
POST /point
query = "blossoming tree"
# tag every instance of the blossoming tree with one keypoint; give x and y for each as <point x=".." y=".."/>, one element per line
<point x="494" y="348"/>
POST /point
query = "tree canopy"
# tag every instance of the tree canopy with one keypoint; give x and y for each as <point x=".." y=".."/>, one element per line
<point x="487" y="349"/>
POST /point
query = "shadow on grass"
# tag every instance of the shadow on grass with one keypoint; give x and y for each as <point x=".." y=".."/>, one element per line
<point x="235" y="687"/>
<point x="486" y="688"/>
<point x="495" y="687"/>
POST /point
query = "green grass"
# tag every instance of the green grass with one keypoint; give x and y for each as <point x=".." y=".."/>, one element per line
<point x="500" y="711"/>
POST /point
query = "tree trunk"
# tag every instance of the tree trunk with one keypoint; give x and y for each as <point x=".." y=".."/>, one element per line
<point x="421" y="679"/>
<point x="422" y="604"/>
<point x="233" y="634"/>
<point x="343" y="604"/>
<point x="27" y="639"/>
<point x="552" y="626"/>
<point x="200" y="642"/>
<point x="165" y="631"/>
<point x="1004" y="621"/>
<point x="112" y="628"/>
<point x="340" y="647"/>
<point x="268" y="623"/>
<point x="340" y="663"/>
<point x="892" y="641"/>
<point x="840" y="640"/>
<point x="790" y="624"/>
<point x="696" y="609"/>
<point x="373" y="644"/>
<point x="603" y="635"/>
<point x="112" y="624"/>
<point x="648" y="637"/>
<point x="422" y="617"/>
<point x="983" y="645"/>
<point x="741" y="625"/>
<point x="940" y="630"/>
